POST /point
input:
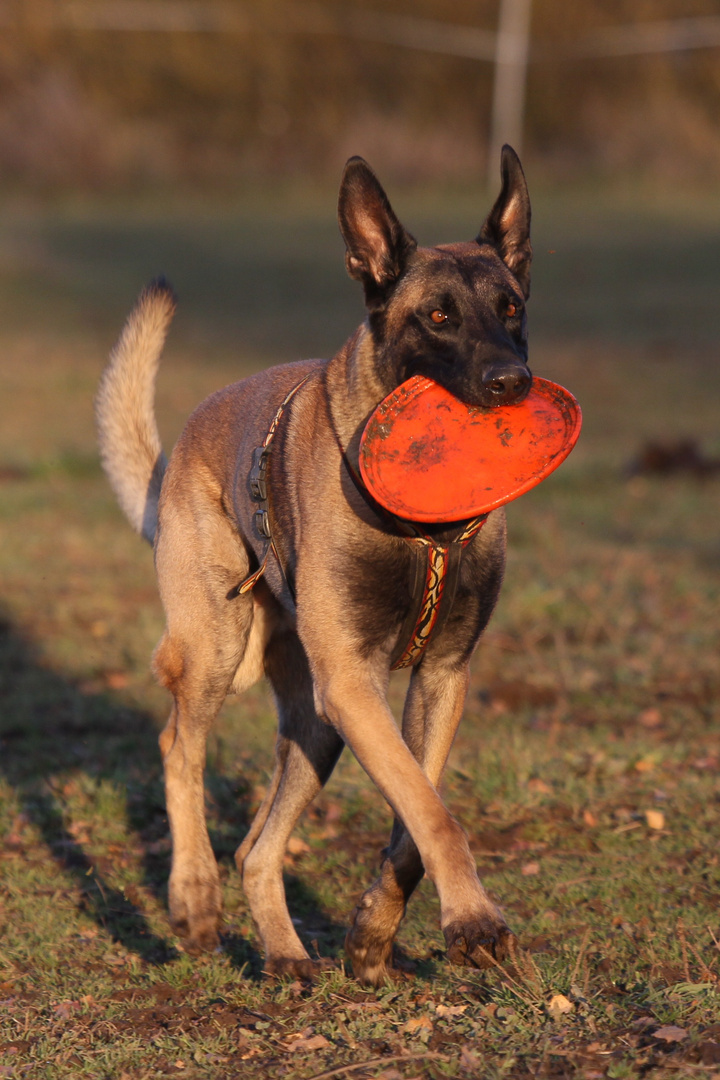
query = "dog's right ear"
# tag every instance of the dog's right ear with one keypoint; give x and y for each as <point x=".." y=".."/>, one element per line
<point x="377" y="244"/>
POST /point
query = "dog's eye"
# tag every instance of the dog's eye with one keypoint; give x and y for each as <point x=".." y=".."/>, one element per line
<point x="510" y="311"/>
<point x="438" y="316"/>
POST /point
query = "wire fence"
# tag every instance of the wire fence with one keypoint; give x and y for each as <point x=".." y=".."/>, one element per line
<point x="405" y="31"/>
<point x="509" y="48"/>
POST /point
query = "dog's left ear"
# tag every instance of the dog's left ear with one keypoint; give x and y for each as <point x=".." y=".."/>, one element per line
<point x="507" y="226"/>
<point x="377" y="244"/>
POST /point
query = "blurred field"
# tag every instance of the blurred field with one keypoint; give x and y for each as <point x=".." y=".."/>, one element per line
<point x="93" y="102"/>
<point x="586" y="769"/>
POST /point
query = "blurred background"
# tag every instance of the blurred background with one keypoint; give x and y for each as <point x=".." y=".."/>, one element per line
<point x="204" y="139"/>
<point x="122" y="94"/>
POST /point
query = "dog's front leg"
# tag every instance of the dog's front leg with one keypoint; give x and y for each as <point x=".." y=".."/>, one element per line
<point x="432" y="713"/>
<point x="474" y="927"/>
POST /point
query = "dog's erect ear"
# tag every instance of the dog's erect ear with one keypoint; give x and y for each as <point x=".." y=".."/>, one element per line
<point x="507" y="226"/>
<point x="377" y="244"/>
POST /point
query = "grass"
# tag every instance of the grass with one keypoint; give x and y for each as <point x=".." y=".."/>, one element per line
<point x="586" y="768"/>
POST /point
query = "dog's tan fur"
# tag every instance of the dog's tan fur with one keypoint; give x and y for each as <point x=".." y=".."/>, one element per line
<point x="326" y="649"/>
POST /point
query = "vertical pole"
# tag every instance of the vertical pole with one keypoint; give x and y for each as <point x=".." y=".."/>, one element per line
<point x="511" y="59"/>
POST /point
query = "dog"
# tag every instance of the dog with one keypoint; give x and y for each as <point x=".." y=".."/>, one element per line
<point x="281" y="565"/>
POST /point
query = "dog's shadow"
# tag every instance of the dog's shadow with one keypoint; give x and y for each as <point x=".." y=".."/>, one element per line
<point x="53" y="730"/>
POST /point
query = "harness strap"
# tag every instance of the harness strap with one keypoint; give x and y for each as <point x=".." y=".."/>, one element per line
<point x="436" y="573"/>
<point x="259" y="494"/>
<point x="427" y="616"/>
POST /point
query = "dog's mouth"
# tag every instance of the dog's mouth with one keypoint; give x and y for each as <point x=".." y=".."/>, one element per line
<point x="495" y="384"/>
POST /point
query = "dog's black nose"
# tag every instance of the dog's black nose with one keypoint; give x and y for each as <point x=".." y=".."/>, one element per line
<point x="505" y="385"/>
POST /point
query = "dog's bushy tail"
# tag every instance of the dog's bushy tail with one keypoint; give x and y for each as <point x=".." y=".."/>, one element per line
<point x="130" y="447"/>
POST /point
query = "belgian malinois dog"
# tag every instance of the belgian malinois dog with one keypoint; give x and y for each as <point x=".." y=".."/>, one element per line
<point x="330" y="599"/>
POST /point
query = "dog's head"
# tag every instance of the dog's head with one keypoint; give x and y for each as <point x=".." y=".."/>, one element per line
<point x="456" y="312"/>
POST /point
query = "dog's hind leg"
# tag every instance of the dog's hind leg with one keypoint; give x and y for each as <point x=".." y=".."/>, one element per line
<point x="432" y="713"/>
<point x="206" y="639"/>
<point x="306" y="752"/>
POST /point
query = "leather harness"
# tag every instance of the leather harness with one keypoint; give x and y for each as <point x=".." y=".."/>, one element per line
<point x="436" y="565"/>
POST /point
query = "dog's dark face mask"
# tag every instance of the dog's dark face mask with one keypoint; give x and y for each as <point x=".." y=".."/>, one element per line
<point x="455" y="313"/>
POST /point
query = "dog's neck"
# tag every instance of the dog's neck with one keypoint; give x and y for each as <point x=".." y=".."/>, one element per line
<point x="355" y="389"/>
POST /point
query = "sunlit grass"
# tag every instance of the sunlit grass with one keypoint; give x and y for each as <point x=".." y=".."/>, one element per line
<point x="585" y="769"/>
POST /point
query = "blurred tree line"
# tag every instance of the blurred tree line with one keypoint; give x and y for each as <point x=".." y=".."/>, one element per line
<point x="287" y="90"/>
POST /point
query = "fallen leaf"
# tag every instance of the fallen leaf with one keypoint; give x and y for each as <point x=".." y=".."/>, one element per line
<point x="116" y="961"/>
<point x="450" y="1010"/>
<point x="655" y="819"/>
<point x="650" y="718"/>
<point x="417" y="1023"/>
<point x="66" y="1008"/>
<point x="530" y="868"/>
<point x="307" y="1043"/>
<point x="117" y="680"/>
<point x="670" y="1034"/>
<point x="589" y="819"/>
<point x="540" y="786"/>
<point x="643" y="1022"/>
<point x="296" y="846"/>
<point x="79" y="829"/>
<point x="559" y="1006"/>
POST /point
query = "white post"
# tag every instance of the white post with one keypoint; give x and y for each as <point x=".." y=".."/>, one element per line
<point x="511" y="59"/>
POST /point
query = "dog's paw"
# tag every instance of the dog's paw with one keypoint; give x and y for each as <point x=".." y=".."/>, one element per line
<point x="304" y="968"/>
<point x="198" y="937"/>
<point x="369" y="941"/>
<point x="195" y="916"/>
<point x="478" y="943"/>
<point x="370" y="959"/>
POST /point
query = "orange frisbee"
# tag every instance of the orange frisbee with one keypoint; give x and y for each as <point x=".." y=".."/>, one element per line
<point x="427" y="456"/>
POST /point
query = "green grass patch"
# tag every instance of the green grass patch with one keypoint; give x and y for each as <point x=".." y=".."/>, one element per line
<point x="586" y="770"/>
